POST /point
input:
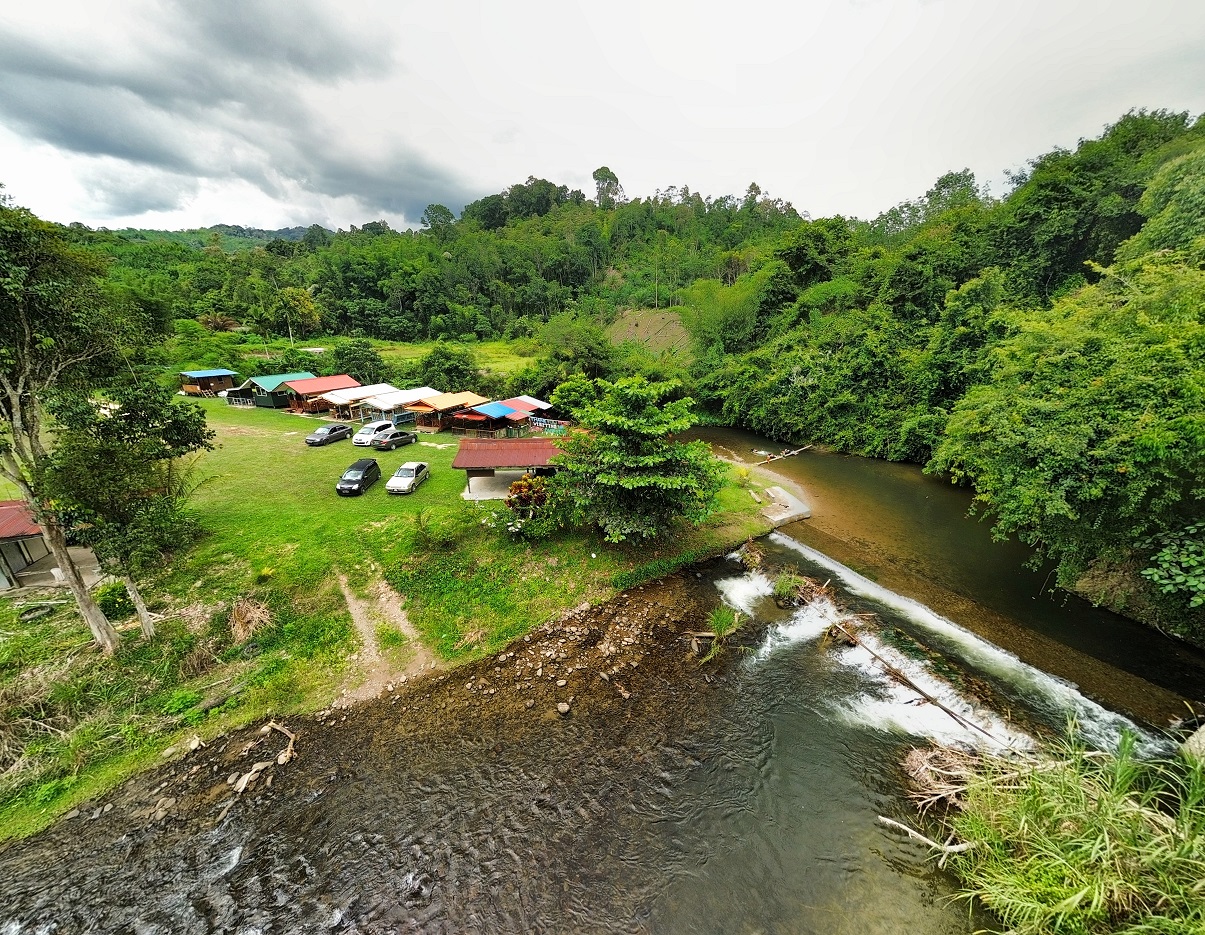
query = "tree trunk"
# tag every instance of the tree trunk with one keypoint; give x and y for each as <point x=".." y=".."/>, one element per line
<point x="102" y="631"/>
<point x="144" y="615"/>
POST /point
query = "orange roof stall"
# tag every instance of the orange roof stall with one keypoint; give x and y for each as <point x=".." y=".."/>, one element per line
<point x="434" y="414"/>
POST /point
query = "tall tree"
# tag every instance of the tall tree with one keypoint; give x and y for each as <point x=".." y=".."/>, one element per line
<point x="607" y="188"/>
<point x="117" y="469"/>
<point x="626" y="474"/>
<point x="58" y="332"/>
<point x="449" y="368"/>
<point x="358" y="358"/>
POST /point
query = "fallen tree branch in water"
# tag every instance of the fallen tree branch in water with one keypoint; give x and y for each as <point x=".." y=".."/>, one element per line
<point x="896" y="673"/>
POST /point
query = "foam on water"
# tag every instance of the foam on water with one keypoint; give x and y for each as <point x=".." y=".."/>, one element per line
<point x="808" y="623"/>
<point x="1097" y="724"/>
<point x="744" y="591"/>
<point x="897" y="707"/>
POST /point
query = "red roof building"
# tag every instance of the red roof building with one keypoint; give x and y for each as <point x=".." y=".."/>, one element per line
<point x="481" y="456"/>
<point x="21" y="542"/>
<point x="16" y="520"/>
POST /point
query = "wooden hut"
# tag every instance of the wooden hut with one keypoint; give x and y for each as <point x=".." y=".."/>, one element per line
<point x="393" y="405"/>
<point x="306" y="395"/>
<point x="490" y="420"/>
<point x="206" y="382"/>
<point x="267" y="392"/>
<point x="434" y="413"/>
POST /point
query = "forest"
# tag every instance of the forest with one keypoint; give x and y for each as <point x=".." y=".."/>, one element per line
<point x="1045" y="346"/>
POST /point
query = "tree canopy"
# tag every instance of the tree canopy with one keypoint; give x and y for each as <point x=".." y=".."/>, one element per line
<point x="625" y="473"/>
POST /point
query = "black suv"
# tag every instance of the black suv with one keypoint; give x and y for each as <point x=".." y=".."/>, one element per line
<point x="358" y="478"/>
<point x="392" y="438"/>
<point x="328" y="433"/>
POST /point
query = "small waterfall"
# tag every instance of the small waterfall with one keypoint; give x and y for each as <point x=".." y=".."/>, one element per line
<point x="1054" y="698"/>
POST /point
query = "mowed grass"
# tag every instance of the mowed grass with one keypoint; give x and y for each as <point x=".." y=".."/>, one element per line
<point x="276" y="532"/>
<point x="497" y="356"/>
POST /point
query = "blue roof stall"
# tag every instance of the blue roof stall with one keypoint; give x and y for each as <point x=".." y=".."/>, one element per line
<point x="493" y="410"/>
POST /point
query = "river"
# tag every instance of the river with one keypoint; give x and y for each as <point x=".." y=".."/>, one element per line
<point x="740" y="797"/>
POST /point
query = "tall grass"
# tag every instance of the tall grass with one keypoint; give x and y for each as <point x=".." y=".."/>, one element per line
<point x="1084" y="842"/>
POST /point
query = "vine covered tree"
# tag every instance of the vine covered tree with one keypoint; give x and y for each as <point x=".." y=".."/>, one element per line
<point x="626" y="474"/>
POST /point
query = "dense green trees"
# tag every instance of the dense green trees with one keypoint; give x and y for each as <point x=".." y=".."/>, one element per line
<point x="116" y="471"/>
<point x="61" y="332"/>
<point x="1087" y="436"/>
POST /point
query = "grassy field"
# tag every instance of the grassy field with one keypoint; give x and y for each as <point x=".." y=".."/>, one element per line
<point x="277" y="533"/>
<point x="496" y="356"/>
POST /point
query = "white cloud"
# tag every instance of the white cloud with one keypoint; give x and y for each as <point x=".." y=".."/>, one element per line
<point x="269" y="112"/>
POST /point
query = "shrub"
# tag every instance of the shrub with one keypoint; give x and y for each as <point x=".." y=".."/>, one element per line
<point x="114" y="600"/>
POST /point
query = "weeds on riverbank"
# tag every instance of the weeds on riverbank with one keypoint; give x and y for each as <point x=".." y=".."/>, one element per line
<point x="1083" y="842"/>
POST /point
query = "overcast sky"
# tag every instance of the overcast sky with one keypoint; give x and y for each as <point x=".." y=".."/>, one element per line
<point x="270" y="114"/>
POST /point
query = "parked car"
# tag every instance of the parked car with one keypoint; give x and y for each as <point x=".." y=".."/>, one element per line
<point x="369" y="430"/>
<point x="392" y="438"/>
<point x="328" y="433"/>
<point x="407" y="478"/>
<point x="358" y="478"/>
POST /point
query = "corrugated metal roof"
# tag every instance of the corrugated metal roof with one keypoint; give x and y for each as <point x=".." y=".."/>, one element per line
<point x="16" y="520"/>
<point x="504" y="453"/>
<point x="356" y="393"/>
<point x="445" y="401"/>
<point x="198" y="374"/>
<point x="271" y="382"/>
<point x="494" y="410"/>
<point x="526" y="403"/>
<point x="316" y="385"/>
<point x="387" y="402"/>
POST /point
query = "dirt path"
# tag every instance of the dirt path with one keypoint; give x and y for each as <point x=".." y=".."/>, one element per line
<point x="376" y="670"/>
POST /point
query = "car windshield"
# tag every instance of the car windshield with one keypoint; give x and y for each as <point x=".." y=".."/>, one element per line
<point x="324" y="431"/>
<point x="404" y="472"/>
<point x="368" y="430"/>
<point x="353" y="475"/>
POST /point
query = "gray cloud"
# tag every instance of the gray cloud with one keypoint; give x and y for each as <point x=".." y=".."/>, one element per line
<point x="123" y="190"/>
<point x="219" y="94"/>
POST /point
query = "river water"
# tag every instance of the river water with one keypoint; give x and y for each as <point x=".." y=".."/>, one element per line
<point x="738" y="798"/>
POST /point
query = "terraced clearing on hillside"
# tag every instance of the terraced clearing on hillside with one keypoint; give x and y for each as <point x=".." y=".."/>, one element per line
<point x="658" y="329"/>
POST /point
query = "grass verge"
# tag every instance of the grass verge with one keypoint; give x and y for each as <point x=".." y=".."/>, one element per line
<point x="1083" y="842"/>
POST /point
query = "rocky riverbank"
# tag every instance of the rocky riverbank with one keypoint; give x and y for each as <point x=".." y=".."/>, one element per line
<point x="175" y="834"/>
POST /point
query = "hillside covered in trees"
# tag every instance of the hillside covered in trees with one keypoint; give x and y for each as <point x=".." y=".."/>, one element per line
<point x="1046" y="346"/>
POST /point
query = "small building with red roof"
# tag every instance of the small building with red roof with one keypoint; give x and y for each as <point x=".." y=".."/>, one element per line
<point x="21" y="542"/>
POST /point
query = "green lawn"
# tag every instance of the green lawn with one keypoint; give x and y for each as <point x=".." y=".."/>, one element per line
<point x="270" y="504"/>
<point x="276" y="532"/>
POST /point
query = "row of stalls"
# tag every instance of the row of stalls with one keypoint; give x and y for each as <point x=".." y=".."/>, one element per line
<point x="466" y="414"/>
